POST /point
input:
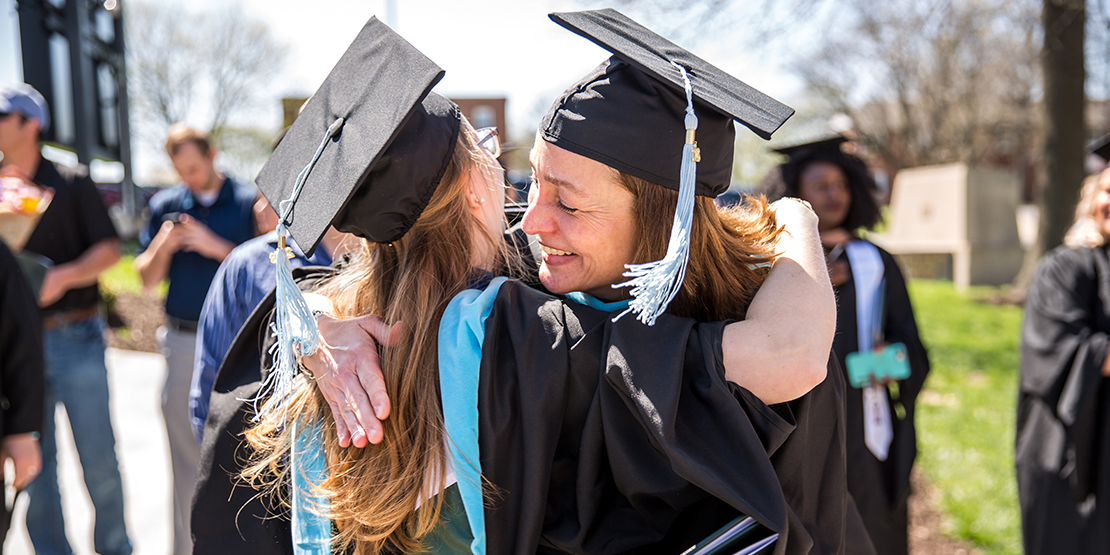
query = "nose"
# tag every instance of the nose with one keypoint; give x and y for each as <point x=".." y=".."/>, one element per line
<point x="537" y="219"/>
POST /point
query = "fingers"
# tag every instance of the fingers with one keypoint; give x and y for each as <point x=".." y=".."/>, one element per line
<point x="382" y="332"/>
<point x="24" y="475"/>
<point x="349" y="403"/>
<point x="350" y="375"/>
<point x="23" y="450"/>
<point x="357" y="412"/>
<point x="341" y="431"/>
<point x="369" y="373"/>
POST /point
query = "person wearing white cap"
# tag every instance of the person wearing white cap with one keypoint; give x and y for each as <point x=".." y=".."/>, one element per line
<point x="77" y="235"/>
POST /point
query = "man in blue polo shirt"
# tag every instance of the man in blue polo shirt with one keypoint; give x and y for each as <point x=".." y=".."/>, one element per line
<point x="192" y="228"/>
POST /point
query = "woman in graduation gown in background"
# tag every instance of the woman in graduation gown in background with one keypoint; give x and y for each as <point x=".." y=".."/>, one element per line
<point x="873" y="308"/>
<point x="1063" y="419"/>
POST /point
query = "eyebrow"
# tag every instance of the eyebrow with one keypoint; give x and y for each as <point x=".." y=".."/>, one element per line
<point x="572" y="187"/>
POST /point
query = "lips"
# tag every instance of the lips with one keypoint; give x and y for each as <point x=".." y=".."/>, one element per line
<point x="556" y="257"/>
<point x="553" y="251"/>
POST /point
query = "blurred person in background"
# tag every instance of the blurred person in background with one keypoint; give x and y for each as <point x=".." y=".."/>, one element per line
<point x="21" y="381"/>
<point x="77" y="235"/>
<point x="873" y="311"/>
<point x="192" y="229"/>
<point x="243" y="280"/>
<point x="1063" y="418"/>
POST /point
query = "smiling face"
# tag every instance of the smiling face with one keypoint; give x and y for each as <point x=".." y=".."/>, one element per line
<point x="825" y="187"/>
<point x="584" y="221"/>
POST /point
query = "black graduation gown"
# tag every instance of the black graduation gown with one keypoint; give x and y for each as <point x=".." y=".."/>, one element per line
<point x="881" y="488"/>
<point x="588" y="466"/>
<point x="606" y="440"/>
<point x="1063" y="420"/>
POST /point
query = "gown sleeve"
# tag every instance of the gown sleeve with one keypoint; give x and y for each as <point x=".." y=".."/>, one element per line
<point x="1063" y="345"/>
<point x="615" y="438"/>
<point x="22" y="364"/>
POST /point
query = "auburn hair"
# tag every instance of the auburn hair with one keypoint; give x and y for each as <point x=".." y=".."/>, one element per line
<point x="731" y="249"/>
<point x="373" y="492"/>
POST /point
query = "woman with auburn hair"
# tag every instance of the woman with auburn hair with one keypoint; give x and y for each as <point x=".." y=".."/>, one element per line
<point x="1063" y="414"/>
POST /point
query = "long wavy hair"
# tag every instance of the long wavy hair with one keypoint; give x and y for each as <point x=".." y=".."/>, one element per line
<point x="1084" y="231"/>
<point x="731" y="249"/>
<point x="373" y="492"/>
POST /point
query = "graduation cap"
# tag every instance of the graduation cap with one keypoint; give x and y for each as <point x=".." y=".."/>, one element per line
<point x="1100" y="147"/>
<point x="368" y="149"/>
<point x="828" y="144"/>
<point x="629" y="112"/>
<point x="658" y="112"/>
<point x="365" y="154"/>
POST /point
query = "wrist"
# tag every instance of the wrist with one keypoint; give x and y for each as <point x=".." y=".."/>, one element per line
<point x="62" y="274"/>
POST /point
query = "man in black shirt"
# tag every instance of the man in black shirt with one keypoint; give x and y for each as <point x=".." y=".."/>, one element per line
<point x="76" y="234"/>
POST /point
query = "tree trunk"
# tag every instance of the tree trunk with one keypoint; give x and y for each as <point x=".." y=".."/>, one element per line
<point x="1062" y="172"/>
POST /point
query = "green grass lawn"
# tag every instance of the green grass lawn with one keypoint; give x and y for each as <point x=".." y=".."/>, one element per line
<point x="123" y="279"/>
<point x="965" y="416"/>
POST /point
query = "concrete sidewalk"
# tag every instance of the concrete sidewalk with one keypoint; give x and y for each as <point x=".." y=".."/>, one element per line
<point x="135" y="384"/>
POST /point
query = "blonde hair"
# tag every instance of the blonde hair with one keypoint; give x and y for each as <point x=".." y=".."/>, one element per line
<point x="1084" y="231"/>
<point x="373" y="491"/>
<point x="731" y="249"/>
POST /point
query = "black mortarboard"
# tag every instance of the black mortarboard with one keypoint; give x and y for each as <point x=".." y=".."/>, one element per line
<point x="1100" y="147"/>
<point x="628" y="112"/>
<point x="388" y="144"/>
<point x="834" y="143"/>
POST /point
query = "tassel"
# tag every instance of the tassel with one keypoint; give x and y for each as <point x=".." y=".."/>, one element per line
<point x="294" y="324"/>
<point x="655" y="284"/>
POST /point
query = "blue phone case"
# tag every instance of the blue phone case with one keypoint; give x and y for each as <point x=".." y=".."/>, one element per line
<point x="891" y="361"/>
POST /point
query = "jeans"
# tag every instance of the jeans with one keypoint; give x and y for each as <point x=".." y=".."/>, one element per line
<point x="77" y="377"/>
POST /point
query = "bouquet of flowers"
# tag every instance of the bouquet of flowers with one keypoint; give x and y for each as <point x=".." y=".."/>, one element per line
<point x="21" y="205"/>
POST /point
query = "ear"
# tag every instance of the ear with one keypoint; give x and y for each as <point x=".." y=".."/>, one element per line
<point x="474" y="198"/>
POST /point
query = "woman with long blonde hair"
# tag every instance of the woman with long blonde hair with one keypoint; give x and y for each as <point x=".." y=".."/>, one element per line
<point x="1063" y="413"/>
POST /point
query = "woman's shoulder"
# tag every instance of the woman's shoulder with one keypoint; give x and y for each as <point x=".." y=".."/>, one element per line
<point x="1065" y="260"/>
<point x="1073" y="255"/>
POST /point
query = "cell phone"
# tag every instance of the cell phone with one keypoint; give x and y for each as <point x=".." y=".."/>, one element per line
<point x="174" y="217"/>
<point x="892" y="361"/>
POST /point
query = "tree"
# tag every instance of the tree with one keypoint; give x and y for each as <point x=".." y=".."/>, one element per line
<point x="930" y="83"/>
<point x="1063" y="63"/>
<point x="212" y="67"/>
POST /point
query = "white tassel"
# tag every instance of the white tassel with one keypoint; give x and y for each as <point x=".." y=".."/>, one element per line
<point x="294" y="324"/>
<point x="655" y="284"/>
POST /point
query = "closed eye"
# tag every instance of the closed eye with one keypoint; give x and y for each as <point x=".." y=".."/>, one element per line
<point x="566" y="208"/>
